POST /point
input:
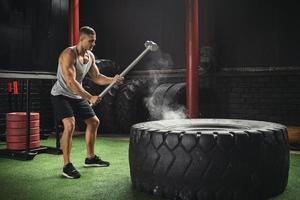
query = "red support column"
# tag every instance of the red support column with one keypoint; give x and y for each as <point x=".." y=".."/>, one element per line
<point x="74" y="22"/>
<point x="192" y="58"/>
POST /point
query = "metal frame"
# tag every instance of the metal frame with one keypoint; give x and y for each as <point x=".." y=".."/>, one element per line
<point x="295" y="147"/>
<point x="192" y="58"/>
<point x="73" y="22"/>
<point x="29" y="154"/>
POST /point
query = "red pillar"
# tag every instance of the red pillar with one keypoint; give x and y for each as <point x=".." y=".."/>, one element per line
<point x="74" y="22"/>
<point x="192" y="57"/>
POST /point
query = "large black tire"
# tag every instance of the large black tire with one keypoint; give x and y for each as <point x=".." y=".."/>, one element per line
<point x="175" y="96"/>
<point x="209" y="159"/>
<point x="167" y="96"/>
<point x="155" y="101"/>
<point x="94" y="89"/>
<point x="130" y="104"/>
<point x="105" y="110"/>
<point x="107" y="67"/>
<point x="106" y="113"/>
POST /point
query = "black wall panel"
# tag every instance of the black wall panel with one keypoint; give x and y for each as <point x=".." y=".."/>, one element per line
<point x="256" y="33"/>
<point x="123" y="26"/>
<point x="33" y="33"/>
<point x="243" y="33"/>
<point x="264" y="96"/>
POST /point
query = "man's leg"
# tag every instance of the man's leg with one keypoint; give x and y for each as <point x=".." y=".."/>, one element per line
<point x="92" y="160"/>
<point x="66" y="139"/>
<point x="92" y="125"/>
<point x="64" y="113"/>
<point x="69" y="170"/>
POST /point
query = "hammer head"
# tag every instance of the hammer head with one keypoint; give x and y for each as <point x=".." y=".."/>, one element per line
<point x="151" y="45"/>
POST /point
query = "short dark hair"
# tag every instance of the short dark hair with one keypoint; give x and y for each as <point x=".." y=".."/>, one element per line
<point x="87" y="30"/>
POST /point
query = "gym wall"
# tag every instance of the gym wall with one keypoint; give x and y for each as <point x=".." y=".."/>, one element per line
<point x="33" y="33"/>
<point x="123" y="26"/>
<point x="258" y="96"/>
<point x="255" y="33"/>
<point x="257" y="71"/>
<point x="242" y="33"/>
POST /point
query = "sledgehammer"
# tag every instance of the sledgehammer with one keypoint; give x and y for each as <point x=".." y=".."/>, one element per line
<point x="150" y="46"/>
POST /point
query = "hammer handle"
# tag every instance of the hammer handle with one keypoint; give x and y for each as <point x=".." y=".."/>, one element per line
<point x="125" y="71"/>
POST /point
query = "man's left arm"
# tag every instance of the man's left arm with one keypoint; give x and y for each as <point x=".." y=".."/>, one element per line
<point x="101" y="79"/>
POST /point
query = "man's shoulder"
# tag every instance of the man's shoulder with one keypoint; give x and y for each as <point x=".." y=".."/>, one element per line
<point x="68" y="53"/>
<point x="91" y="53"/>
<point x="67" y="56"/>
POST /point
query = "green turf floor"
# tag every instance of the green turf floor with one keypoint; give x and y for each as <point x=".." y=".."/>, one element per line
<point x="40" y="178"/>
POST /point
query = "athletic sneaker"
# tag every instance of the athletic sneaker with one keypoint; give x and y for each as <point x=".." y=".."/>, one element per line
<point x="69" y="171"/>
<point x="95" y="162"/>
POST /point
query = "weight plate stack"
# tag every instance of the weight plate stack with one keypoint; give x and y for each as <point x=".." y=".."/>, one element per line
<point x="16" y="130"/>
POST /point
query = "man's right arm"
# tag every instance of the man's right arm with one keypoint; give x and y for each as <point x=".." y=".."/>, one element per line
<point x="67" y="62"/>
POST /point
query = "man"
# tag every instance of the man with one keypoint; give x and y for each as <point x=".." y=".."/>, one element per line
<point x="70" y="100"/>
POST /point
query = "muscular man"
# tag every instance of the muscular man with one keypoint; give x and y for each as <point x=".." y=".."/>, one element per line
<point x="70" y="100"/>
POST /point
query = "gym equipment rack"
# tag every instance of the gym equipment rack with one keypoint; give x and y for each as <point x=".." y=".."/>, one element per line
<point x="29" y="154"/>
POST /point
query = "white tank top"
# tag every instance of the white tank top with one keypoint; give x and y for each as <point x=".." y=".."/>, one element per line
<point x="60" y="87"/>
